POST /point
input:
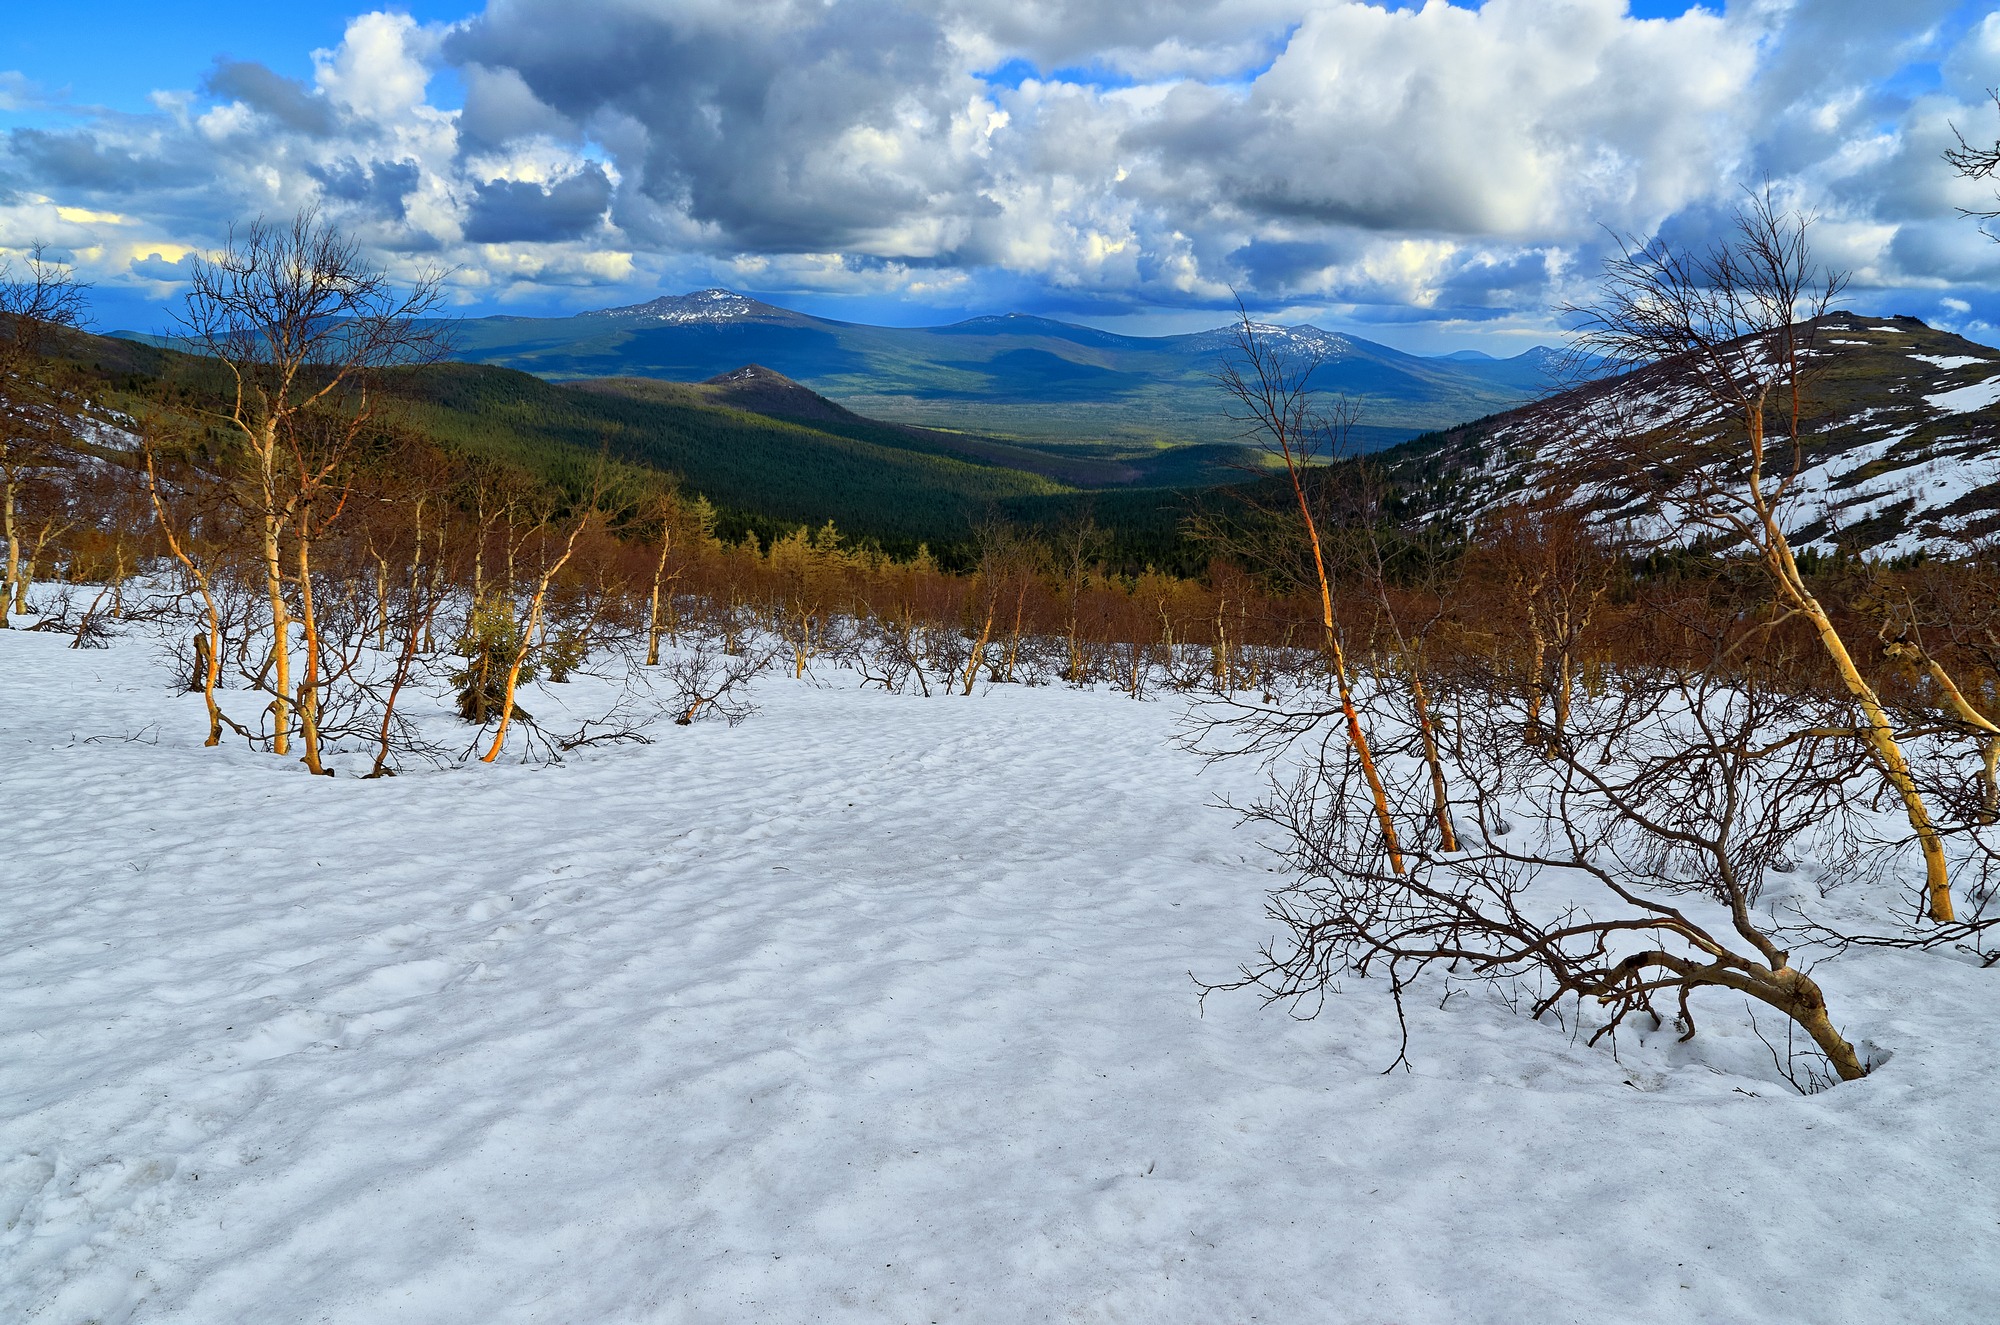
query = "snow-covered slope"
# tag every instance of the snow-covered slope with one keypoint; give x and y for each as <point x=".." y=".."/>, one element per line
<point x="872" y="1009"/>
<point x="1294" y="342"/>
<point x="1903" y="456"/>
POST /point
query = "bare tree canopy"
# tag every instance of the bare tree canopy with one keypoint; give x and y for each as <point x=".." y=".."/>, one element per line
<point x="1739" y="312"/>
<point x="38" y="296"/>
<point x="1977" y="163"/>
<point x="302" y="324"/>
<point x="296" y="308"/>
<point x="39" y="299"/>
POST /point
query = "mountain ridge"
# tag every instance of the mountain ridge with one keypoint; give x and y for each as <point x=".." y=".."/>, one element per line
<point x="1902" y="452"/>
<point x="1016" y="376"/>
<point x="718" y="304"/>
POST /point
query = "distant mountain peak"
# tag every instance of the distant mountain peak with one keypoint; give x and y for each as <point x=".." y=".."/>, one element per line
<point x="750" y="372"/>
<point x="1305" y="336"/>
<point x="697" y="306"/>
<point x="762" y="390"/>
<point x="1024" y="374"/>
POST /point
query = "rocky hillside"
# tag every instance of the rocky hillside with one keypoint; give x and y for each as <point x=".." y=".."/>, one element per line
<point x="1903" y="453"/>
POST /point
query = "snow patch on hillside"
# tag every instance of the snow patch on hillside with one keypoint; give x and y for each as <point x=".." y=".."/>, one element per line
<point x="1911" y="465"/>
<point x="1966" y="399"/>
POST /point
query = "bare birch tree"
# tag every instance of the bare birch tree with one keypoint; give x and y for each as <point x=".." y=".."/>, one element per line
<point x="303" y="326"/>
<point x="1976" y="162"/>
<point x="1608" y="867"/>
<point x="39" y="299"/>
<point x="1728" y="331"/>
<point x="1279" y="409"/>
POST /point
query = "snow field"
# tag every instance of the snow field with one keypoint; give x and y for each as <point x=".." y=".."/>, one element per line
<point x="874" y="1008"/>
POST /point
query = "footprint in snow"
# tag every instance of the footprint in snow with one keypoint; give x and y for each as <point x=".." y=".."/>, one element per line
<point x="289" y="1034"/>
<point x="390" y="985"/>
<point x="488" y="907"/>
<point x="22" y="1183"/>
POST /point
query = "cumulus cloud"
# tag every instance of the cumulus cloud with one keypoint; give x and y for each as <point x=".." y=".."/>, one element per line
<point x="1432" y="160"/>
<point x="785" y="124"/>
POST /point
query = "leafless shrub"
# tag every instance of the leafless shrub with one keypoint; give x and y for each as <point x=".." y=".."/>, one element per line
<point x="708" y="681"/>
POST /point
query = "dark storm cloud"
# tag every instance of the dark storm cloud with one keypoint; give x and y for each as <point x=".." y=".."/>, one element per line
<point x="285" y="100"/>
<point x="499" y="107"/>
<point x="1515" y="280"/>
<point x="81" y="160"/>
<point x="788" y="127"/>
<point x="1273" y="264"/>
<point x="512" y="211"/>
<point x="379" y="188"/>
<point x="153" y="267"/>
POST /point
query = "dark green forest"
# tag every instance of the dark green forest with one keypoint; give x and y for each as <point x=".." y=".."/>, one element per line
<point x="886" y="485"/>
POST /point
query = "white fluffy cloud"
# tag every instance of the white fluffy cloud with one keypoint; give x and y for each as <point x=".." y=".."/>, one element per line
<point x="1419" y="162"/>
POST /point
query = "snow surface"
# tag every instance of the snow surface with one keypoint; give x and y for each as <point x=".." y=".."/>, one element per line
<point x="1967" y="398"/>
<point x="872" y="1009"/>
<point x="1946" y="361"/>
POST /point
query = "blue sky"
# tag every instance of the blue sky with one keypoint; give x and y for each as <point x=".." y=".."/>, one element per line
<point x="42" y="41"/>
<point x="1435" y="176"/>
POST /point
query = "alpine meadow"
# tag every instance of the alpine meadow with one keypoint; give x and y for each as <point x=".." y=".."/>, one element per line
<point x="928" y="660"/>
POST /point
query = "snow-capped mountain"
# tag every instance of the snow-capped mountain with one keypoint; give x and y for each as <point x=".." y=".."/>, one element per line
<point x="1302" y="339"/>
<point x="1902" y="456"/>
<point x="682" y="309"/>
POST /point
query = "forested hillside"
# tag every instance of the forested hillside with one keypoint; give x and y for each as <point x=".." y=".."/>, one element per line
<point x="768" y="458"/>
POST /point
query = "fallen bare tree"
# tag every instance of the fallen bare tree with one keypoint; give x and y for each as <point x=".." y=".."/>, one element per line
<point x="1613" y="868"/>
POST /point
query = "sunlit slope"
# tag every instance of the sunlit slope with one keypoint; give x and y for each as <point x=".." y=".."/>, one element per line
<point x="775" y="468"/>
<point x="1902" y="449"/>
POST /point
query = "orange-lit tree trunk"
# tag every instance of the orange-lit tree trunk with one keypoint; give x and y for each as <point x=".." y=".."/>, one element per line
<point x="978" y="652"/>
<point x="1337" y="658"/>
<point x="653" y="605"/>
<point x="527" y="637"/>
<point x="1280" y="406"/>
<point x="208" y="655"/>
<point x="308" y="698"/>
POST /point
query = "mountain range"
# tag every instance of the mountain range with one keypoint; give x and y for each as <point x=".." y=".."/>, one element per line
<point x="1029" y="378"/>
<point x="1902" y="453"/>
